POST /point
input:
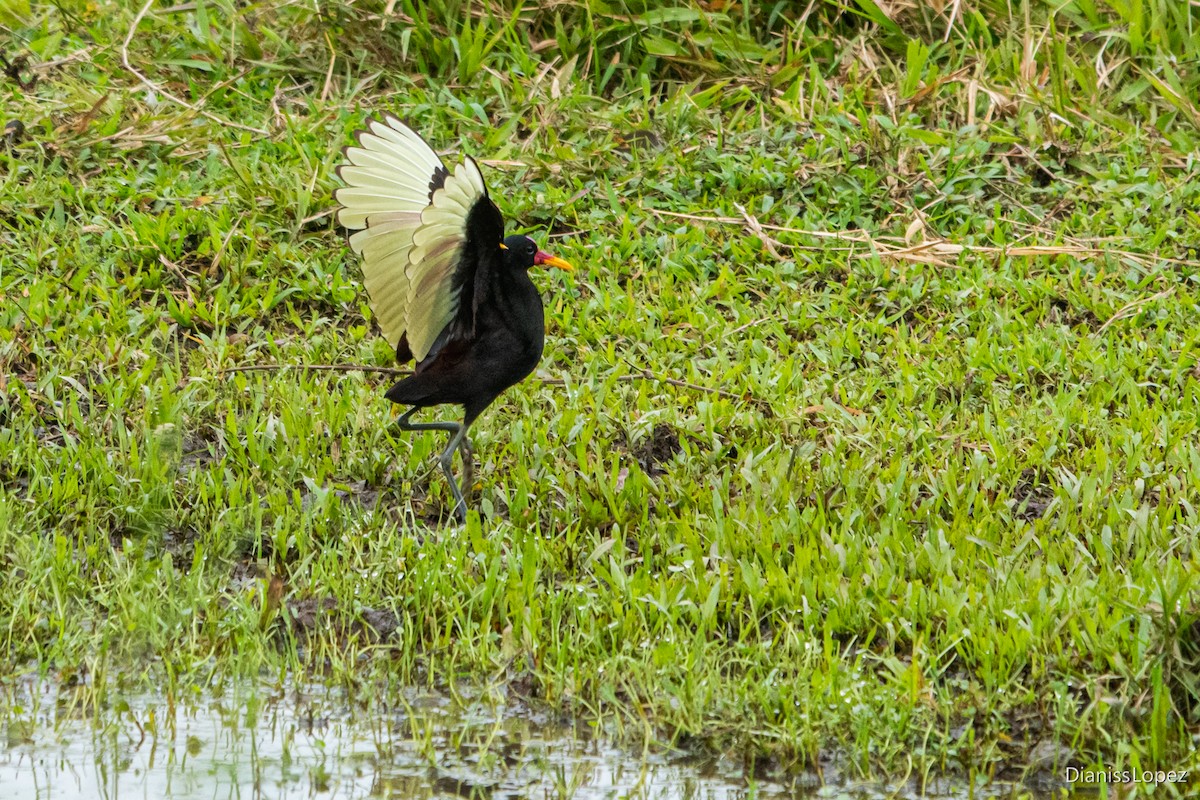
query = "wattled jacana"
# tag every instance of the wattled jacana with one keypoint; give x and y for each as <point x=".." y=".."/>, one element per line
<point x="447" y="288"/>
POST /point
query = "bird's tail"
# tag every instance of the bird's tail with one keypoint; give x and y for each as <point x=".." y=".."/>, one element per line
<point x="412" y="391"/>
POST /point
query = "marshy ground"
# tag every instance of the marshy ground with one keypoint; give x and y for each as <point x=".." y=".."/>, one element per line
<point x="866" y="432"/>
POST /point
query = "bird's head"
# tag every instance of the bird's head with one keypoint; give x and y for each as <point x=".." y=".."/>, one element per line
<point x="521" y="252"/>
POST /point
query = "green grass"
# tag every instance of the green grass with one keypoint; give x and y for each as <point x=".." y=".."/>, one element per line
<point x="942" y="510"/>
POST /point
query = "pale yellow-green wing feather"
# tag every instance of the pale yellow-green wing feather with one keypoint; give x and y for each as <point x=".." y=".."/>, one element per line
<point x="410" y="215"/>
<point x="433" y="296"/>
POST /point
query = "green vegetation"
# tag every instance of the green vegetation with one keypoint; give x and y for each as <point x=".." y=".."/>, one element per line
<point x="867" y="425"/>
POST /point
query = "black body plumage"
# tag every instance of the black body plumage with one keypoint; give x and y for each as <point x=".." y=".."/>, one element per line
<point x="488" y="348"/>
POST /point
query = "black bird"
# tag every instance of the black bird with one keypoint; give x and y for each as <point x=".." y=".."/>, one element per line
<point x="447" y="288"/>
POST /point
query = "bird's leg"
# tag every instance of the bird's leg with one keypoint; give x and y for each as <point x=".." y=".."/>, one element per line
<point x="468" y="459"/>
<point x="447" y="460"/>
<point x="457" y="439"/>
<point x="403" y="424"/>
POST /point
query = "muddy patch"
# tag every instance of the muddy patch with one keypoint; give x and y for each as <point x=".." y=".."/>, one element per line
<point x="654" y="451"/>
<point x="199" y="452"/>
<point x="1033" y="496"/>
<point x="313" y="616"/>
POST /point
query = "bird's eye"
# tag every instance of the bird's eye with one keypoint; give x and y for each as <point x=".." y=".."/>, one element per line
<point x="531" y="248"/>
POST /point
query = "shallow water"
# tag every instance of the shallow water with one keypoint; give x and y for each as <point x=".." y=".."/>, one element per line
<point x="68" y="745"/>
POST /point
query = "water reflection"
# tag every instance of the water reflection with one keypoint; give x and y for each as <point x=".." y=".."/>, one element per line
<point x="74" y="744"/>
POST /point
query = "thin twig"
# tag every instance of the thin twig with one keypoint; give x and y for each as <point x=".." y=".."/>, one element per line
<point x="647" y="375"/>
<point x="316" y="368"/>
<point x="183" y="278"/>
<point x="329" y="72"/>
<point x="751" y="324"/>
<point x="757" y="229"/>
<point x="317" y="216"/>
<point x="739" y="221"/>
<point x="810" y="410"/>
<point x="950" y="21"/>
<point x="158" y="87"/>
<point x="895" y="247"/>
<point x="216" y="262"/>
<point x="1128" y="310"/>
<point x="642" y="375"/>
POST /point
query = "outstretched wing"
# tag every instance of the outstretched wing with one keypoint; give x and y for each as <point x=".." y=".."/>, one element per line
<point x="424" y="233"/>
